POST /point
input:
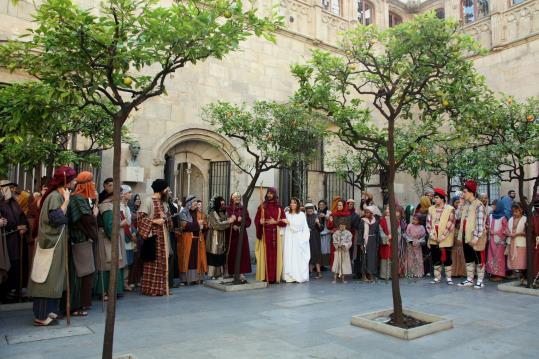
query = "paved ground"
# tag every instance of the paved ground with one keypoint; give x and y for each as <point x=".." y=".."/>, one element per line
<point x="289" y="321"/>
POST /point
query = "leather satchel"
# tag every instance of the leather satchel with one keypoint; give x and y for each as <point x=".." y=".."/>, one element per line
<point x="83" y="258"/>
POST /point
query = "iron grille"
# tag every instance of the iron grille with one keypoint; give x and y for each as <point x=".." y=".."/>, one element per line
<point x="336" y="186"/>
<point x="220" y="179"/>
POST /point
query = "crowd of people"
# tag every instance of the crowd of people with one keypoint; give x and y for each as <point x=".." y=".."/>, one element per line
<point x="63" y="235"/>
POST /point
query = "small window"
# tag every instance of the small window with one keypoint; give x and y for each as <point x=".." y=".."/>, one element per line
<point x="440" y="13"/>
<point x="332" y="6"/>
<point x="473" y="10"/>
<point x="394" y="19"/>
<point x="516" y="2"/>
<point x="365" y="12"/>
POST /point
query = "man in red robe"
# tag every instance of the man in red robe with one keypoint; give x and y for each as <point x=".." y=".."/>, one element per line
<point x="269" y="217"/>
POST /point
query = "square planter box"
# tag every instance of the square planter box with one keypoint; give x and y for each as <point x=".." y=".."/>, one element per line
<point x="515" y="287"/>
<point x="226" y="285"/>
<point x="374" y="321"/>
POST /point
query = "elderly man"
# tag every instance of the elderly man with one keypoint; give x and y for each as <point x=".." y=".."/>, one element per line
<point x="13" y="225"/>
<point x="483" y="197"/>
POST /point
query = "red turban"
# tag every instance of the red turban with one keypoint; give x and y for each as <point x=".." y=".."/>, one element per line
<point x="440" y="192"/>
<point x="471" y="186"/>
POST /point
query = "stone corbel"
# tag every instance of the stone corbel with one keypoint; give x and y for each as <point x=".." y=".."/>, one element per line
<point x="158" y="162"/>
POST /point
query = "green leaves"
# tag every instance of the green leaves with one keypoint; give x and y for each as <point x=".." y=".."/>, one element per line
<point x="273" y="134"/>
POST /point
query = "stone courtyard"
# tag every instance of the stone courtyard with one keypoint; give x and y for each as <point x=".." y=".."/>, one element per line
<point x="310" y="320"/>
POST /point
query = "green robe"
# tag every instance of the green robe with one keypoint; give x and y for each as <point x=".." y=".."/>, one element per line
<point x="47" y="237"/>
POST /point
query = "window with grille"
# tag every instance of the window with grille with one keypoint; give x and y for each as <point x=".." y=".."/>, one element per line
<point x="365" y="11"/>
<point x="337" y="186"/>
<point x="220" y="179"/>
<point x="293" y="182"/>
<point x="394" y="19"/>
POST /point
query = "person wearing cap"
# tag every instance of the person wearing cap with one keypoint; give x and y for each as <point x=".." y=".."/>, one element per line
<point x="441" y="229"/>
<point x="46" y="292"/>
<point x="13" y="224"/>
<point x="153" y="224"/>
<point x="472" y="215"/>
<point x="82" y="228"/>
<point x="192" y="249"/>
<point x="315" y="243"/>
<point x="104" y="249"/>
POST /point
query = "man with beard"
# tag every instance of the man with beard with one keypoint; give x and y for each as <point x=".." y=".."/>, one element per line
<point x="153" y="225"/>
<point x="13" y="225"/>
<point x="192" y="249"/>
<point x="236" y="210"/>
<point x="216" y="238"/>
<point x="269" y="246"/>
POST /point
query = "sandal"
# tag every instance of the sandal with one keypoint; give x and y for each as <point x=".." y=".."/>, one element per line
<point x="79" y="313"/>
<point x="46" y="323"/>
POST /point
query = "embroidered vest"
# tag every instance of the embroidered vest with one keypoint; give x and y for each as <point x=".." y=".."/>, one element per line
<point x="441" y="223"/>
<point x="468" y="223"/>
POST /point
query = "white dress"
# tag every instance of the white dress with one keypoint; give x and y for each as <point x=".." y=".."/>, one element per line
<point x="296" y="252"/>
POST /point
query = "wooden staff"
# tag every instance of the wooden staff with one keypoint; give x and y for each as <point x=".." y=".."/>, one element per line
<point x="66" y="253"/>
<point x="225" y="269"/>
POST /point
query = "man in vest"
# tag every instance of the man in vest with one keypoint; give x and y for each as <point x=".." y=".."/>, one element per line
<point x="441" y="229"/>
<point x="473" y="217"/>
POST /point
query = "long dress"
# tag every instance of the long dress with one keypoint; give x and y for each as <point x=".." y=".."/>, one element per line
<point x="155" y="273"/>
<point x="415" y="236"/>
<point x="296" y="251"/>
<point x="496" y="246"/>
<point x="245" y="263"/>
<point x="535" y="224"/>
<point x="315" y="243"/>
<point x="342" y="241"/>
<point x="269" y="247"/>
<point x="82" y="228"/>
<point x="216" y="242"/>
<point x="52" y="234"/>
<point x="192" y="249"/>
<point x="517" y="258"/>
<point x="339" y="217"/>
<point x="325" y="239"/>
<point x="368" y="242"/>
<point x="457" y="255"/>
<point x="104" y="253"/>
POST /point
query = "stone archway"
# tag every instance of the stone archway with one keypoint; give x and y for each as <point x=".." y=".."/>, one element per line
<point x="185" y="158"/>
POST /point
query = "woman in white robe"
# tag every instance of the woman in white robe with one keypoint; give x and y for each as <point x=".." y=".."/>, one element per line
<point x="296" y="252"/>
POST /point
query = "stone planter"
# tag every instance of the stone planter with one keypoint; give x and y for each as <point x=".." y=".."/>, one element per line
<point x="126" y="356"/>
<point x="515" y="287"/>
<point x="376" y="321"/>
<point x="225" y="285"/>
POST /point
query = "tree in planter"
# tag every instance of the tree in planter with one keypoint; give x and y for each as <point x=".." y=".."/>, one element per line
<point x="37" y="123"/>
<point x="511" y="138"/>
<point x="121" y="57"/>
<point x="414" y="76"/>
<point x="273" y="135"/>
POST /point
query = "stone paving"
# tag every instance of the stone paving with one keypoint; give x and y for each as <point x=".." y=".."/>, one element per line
<point x="310" y="320"/>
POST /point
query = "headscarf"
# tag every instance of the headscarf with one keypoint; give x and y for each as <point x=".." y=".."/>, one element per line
<point x="507" y="203"/>
<point x="125" y="189"/>
<point x="374" y="210"/>
<point x="215" y="204"/>
<point x="85" y="185"/>
<point x="499" y="212"/>
<point x="367" y="223"/>
<point x="159" y="185"/>
<point x="275" y="195"/>
<point x="185" y="213"/>
<point x="62" y="176"/>
<point x="25" y="199"/>
<point x="326" y="209"/>
<point x="343" y="213"/>
<point x="336" y="199"/>
<point x="424" y="204"/>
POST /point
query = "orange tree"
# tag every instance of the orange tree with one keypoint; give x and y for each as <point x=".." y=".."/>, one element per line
<point x="120" y="55"/>
<point x="389" y="91"/>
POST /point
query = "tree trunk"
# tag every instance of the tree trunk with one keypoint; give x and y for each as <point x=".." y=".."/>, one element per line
<point x="395" y="285"/>
<point x="245" y="198"/>
<point x="111" y="304"/>
<point x="449" y="188"/>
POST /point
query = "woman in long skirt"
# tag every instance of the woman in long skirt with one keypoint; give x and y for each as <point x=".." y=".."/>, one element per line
<point x="457" y="252"/>
<point x="497" y="228"/>
<point x="516" y="233"/>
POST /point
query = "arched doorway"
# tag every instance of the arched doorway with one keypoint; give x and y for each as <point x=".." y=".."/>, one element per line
<point x="196" y="167"/>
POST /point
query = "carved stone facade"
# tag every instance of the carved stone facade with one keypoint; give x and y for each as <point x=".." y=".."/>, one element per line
<point x="170" y="129"/>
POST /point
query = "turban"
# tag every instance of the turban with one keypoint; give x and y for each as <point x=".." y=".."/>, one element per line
<point x="159" y="185"/>
<point x="374" y="210"/>
<point x="309" y="205"/>
<point x="125" y="188"/>
<point x="471" y="186"/>
<point x="85" y="185"/>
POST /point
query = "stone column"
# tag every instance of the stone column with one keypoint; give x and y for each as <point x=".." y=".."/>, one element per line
<point x="497" y="7"/>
